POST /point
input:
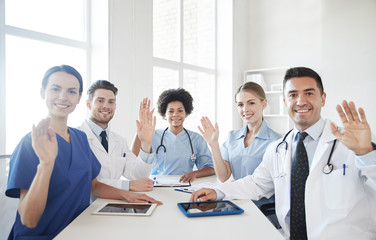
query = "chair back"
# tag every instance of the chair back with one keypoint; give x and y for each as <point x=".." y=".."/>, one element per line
<point x="8" y="206"/>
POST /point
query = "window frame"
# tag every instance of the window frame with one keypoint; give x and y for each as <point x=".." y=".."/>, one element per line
<point x="39" y="36"/>
<point x="180" y="65"/>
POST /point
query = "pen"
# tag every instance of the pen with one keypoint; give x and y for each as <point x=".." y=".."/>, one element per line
<point x="181" y="190"/>
<point x="344" y="169"/>
<point x="124" y="155"/>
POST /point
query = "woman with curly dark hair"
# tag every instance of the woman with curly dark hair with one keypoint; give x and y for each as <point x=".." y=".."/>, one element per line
<point x="177" y="149"/>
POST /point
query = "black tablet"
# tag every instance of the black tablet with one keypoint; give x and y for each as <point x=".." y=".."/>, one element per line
<point x="130" y="209"/>
<point x="210" y="208"/>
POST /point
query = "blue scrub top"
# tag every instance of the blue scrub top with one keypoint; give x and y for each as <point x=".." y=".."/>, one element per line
<point x="70" y="184"/>
<point x="178" y="153"/>
<point x="244" y="161"/>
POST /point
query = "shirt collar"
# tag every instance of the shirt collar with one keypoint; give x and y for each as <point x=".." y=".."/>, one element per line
<point x="95" y="128"/>
<point x="262" y="133"/>
<point x="313" y="131"/>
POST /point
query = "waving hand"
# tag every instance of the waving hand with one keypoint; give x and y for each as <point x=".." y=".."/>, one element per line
<point x="356" y="133"/>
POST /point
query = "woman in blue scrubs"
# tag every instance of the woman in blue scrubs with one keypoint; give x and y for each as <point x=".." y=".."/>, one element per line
<point x="244" y="148"/>
<point x="177" y="149"/>
<point x="53" y="170"/>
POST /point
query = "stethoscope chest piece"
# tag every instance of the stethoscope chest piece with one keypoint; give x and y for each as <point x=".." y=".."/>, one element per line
<point x="328" y="168"/>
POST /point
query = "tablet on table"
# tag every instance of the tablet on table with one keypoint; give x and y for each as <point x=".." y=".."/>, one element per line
<point x="209" y="208"/>
<point x="126" y="209"/>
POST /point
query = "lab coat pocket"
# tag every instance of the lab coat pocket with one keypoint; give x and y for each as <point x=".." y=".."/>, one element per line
<point x="339" y="189"/>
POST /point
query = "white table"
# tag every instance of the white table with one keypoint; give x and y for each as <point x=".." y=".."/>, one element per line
<point x="168" y="222"/>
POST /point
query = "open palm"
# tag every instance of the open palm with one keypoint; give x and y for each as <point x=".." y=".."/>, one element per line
<point x="208" y="131"/>
<point x="356" y="134"/>
<point x="44" y="141"/>
<point x="146" y="123"/>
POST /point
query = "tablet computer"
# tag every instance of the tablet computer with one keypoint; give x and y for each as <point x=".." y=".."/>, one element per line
<point x="209" y="208"/>
<point x="126" y="209"/>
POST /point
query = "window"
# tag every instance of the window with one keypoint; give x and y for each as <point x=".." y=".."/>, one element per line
<point x="33" y="38"/>
<point x="184" y="53"/>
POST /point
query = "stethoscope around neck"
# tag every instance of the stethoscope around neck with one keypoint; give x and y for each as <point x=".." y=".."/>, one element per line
<point x="161" y="145"/>
<point x="328" y="167"/>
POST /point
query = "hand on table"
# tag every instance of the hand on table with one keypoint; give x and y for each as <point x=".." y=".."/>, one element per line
<point x="204" y="194"/>
<point x="141" y="185"/>
<point x="188" y="177"/>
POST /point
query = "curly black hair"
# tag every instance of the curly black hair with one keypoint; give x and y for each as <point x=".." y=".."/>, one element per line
<point x="172" y="95"/>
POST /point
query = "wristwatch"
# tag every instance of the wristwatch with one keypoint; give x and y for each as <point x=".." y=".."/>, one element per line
<point x="373" y="145"/>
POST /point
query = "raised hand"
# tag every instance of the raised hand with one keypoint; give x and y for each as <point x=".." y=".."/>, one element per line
<point x="146" y="125"/>
<point x="44" y="142"/>
<point x="208" y="131"/>
<point x="356" y="133"/>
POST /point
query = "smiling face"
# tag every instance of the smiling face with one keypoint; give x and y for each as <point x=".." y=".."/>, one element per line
<point x="304" y="101"/>
<point x="102" y="107"/>
<point x="250" y="107"/>
<point x="175" y="114"/>
<point x="61" y="94"/>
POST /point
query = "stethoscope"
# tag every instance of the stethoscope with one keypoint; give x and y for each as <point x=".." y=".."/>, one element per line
<point x="328" y="167"/>
<point x="193" y="157"/>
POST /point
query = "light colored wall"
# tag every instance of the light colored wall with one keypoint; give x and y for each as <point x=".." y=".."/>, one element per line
<point x="349" y="55"/>
<point x="336" y="38"/>
<point x="130" y="60"/>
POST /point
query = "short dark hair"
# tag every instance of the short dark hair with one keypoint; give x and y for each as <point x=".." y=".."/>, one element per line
<point x="172" y="95"/>
<point x="303" y="72"/>
<point x="62" y="68"/>
<point x="100" y="84"/>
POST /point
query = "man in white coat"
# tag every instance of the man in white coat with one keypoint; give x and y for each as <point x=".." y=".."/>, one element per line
<point x="117" y="160"/>
<point x="339" y="194"/>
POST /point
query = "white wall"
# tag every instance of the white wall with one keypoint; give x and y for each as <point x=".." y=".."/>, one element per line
<point x="130" y="59"/>
<point x="336" y="38"/>
<point x="349" y="55"/>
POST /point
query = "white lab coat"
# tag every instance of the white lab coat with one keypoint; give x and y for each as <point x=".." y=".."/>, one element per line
<point x="114" y="164"/>
<point x="337" y="206"/>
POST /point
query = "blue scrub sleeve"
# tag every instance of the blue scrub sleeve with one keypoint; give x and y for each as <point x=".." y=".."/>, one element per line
<point x="22" y="168"/>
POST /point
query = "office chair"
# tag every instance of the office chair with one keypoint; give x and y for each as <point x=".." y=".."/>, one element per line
<point x="8" y="206"/>
<point x="268" y="210"/>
